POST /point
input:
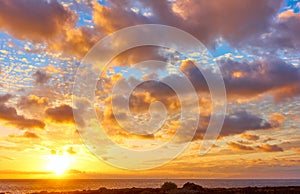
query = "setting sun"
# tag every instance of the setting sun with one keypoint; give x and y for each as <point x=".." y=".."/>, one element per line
<point x="58" y="164"/>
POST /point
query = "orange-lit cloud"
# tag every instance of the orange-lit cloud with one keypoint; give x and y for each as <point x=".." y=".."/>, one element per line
<point x="240" y="147"/>
<point x="250" y="137"/>
<point x="60" y="114"/>
<point x="26" y="134"/>
<point x="11" y="117"/>
<point x="32" y="100"/>
<point x="270" y="148"/>
<point x="34" y="20"/>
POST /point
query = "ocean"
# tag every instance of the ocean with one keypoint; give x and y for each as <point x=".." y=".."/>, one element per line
<point x="29" y="186"/>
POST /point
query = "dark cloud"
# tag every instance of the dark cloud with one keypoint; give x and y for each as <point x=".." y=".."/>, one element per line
<point x="206" y="20"/>
<point x="54" y="24"/>
<point x="269" y="148"/>
<point x="34" y="20"/>
<point x="273" y="76"/>
<point x="251" y="79"/>
<point x="11" y="117"/>
<point x="152" y="91"/>
<point x="5" y="98"/>
<point x="236" y="123"/>
<point x="60" y="114"/>
<point x="41" y="77"/>
<point x="233" y="19"/>
<point x="46" y="21"/>
<point x="241" y="121"/>
<point x="283" y="34"/>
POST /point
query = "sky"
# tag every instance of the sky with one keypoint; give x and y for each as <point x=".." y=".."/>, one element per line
<point x="254" y="42"/>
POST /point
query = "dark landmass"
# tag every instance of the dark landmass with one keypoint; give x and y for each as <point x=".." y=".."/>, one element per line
<point x="188" y="188"/>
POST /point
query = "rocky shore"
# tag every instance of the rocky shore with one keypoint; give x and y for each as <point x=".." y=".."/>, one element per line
<point x="188" y="188"/>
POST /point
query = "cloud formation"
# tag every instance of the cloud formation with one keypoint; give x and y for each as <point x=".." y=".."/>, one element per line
<point x="284" y="32"/>
<point x="32" y="101"/>
<point x="236" y="123"/>
<point x="250" y="137"/>
<point x="206" y="20"/>
<point x="5" y="98"/>
<point x="56" y="25"/>
<point x="262" y="147"/>
<point x="60" y="114"/>
<point x="270" y="148"/>
<point x="10" y="116"/>
<point x="248" y="80"/>
<point x="34" y="20"/>
<point x="239" y="147"/>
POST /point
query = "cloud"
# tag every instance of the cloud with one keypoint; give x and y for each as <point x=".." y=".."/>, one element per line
<point x="270" y="148"/>
<point x="248" y="80"/>
<point x="26" y="134"/>
<point x="263" y="147"/>
<point x="74" y="41"/>
<point x="239" y="147"/>
<point x="277" y="119"/>
<point x="25" y="172"/>
<point x="115" y="17"/>
<point x="5" y="98"/>
<point x="250" y="137"/>
<point x="11" y="117"/>
<point x="60" y="114"/>
<point x="139" y="54"/>
<point x="54" y="24"/>
<point x="71" y="150"/>
<point x="32" y="101"/>
<point x="34" y="20"/>
<point x="284" y="32"/>
<point x="233" y="19"/>
<point x="152" y="91"/>
<point x="41" y="77"/>
<point x="264" y="76"/>
<point x="235" y="123"/>
<point x="206" y="20"/>
<point x="74" y="171"/>
<point x="241" y="121"/>
<point x="46" y="21"/>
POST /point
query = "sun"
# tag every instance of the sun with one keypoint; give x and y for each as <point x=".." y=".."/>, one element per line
<point x="58" y="164"/>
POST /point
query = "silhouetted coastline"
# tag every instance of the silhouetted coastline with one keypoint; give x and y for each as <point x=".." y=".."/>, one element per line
<point x="188" y="188"/>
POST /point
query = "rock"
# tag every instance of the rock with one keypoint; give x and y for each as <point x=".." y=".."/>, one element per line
<point x="192" y="186"/>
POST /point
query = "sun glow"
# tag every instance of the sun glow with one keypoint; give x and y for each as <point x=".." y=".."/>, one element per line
<point x="58" y="164"/>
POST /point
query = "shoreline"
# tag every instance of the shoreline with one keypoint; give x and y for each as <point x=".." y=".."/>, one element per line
<point x="188" y="188"/>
